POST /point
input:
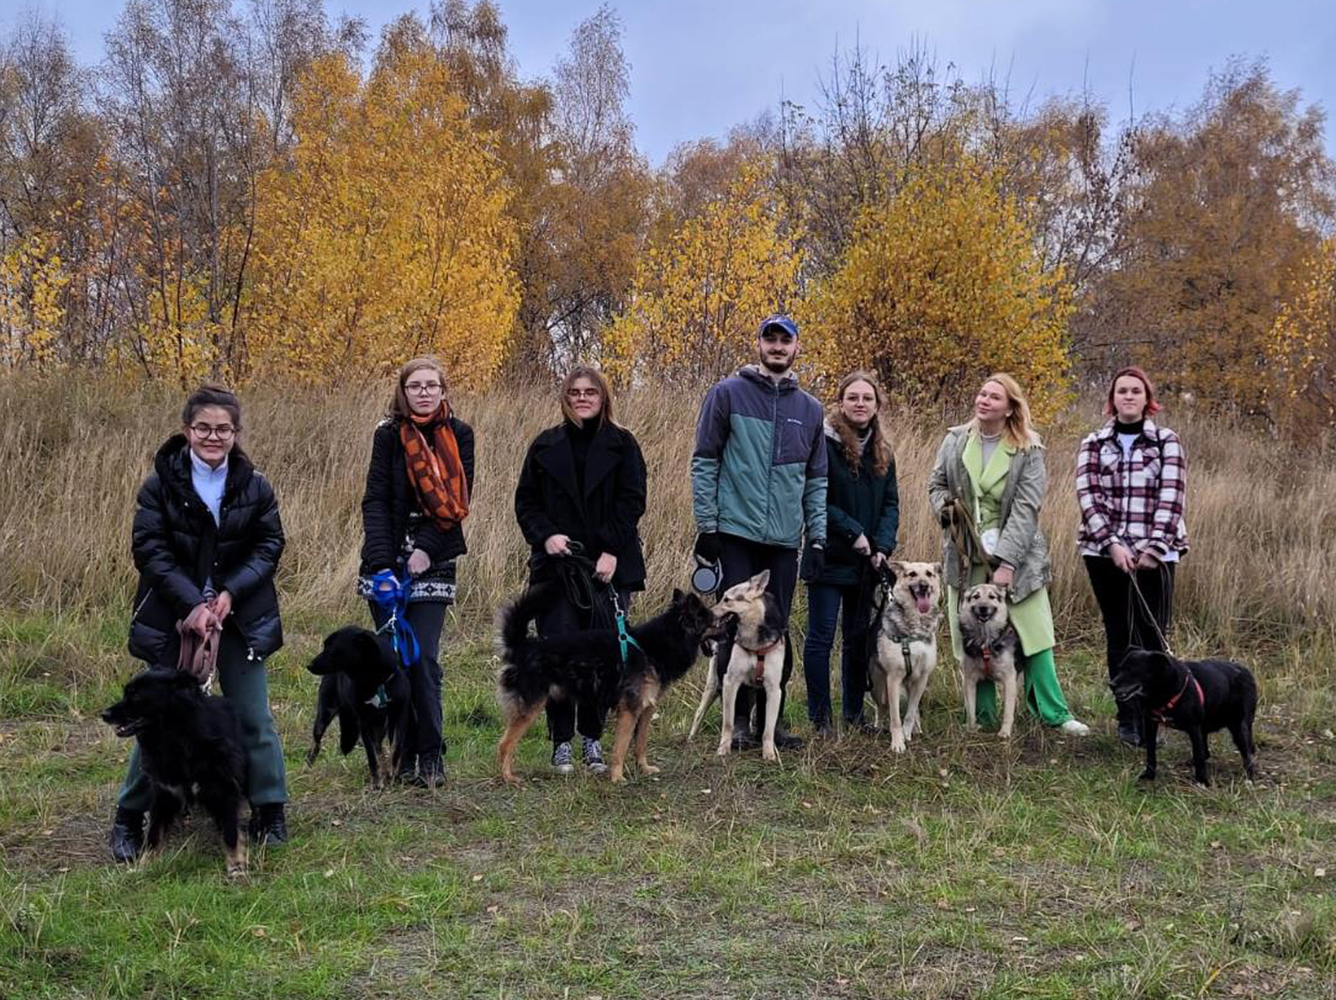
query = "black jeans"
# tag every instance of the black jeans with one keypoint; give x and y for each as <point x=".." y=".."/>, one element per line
<point x="823" y="613"/>
<point x="425" y="740"/>
<point x="1126" y="624"/>
<point x="565" y="717"/>
<point x="742" y="559"/>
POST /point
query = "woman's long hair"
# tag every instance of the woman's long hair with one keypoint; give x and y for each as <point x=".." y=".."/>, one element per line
<point x="879" y="445"/>
<point x="399" y="408"/>
<point x="1018" y="431"/>
<point x="599" y="380"/>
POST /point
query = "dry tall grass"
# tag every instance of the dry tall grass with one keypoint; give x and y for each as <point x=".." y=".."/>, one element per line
<point x="74" y="449"/>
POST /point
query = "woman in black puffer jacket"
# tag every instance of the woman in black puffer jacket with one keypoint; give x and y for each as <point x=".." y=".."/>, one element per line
<point x="206" y="541"/>
<point x="413" y="527"/>
<point x="583" y="481"/>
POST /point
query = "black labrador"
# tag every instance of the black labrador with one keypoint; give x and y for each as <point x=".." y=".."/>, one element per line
<point x="362" y="683"/>
<point x="1199" y="697"/>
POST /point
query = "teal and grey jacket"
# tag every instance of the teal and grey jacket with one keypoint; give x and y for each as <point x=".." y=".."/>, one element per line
<point x="759" y="468"/>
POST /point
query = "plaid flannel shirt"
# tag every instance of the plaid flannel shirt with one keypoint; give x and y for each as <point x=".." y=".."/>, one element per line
<point x="1138" y="500"/>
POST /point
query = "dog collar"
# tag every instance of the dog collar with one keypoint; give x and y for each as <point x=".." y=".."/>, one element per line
<point x="380" y="699"/>
<point x="1159" y="713"/>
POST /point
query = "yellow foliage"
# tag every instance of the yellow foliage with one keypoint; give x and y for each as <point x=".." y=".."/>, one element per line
<point x="387" y="236"/>
<point x="940" y="286"/>
<point x="704" y="285"/>
<point x="32" y="280"/>
<point x="1302" y="344"/>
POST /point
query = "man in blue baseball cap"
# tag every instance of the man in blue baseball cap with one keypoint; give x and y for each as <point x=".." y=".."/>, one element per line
<point x="758" y="481"/>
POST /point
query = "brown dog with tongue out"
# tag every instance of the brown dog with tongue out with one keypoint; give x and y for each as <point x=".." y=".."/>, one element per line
<point x="905" y="651"/>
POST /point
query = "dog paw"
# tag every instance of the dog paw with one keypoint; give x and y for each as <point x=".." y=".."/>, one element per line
<point x="769" y="753"/>
<point x="512" y="781"/>
<point x="972" y="727"/>
<point x="723" y="749"/>
<point x="649" y="769"/>
<point x="1146" y="775"/>
<point x="616" y="777"/>
<point x="1004" y="733"/>
<point x="898" y="743"/>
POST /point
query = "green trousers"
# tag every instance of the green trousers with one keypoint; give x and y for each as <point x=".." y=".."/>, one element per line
<point x="244" y="684"/>
<point x="1043" y="694"/>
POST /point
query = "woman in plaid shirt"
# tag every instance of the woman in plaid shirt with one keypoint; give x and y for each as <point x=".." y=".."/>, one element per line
<point x="1131" y="482"/>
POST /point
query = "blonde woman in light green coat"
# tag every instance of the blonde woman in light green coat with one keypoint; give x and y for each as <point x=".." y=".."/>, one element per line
<point x="994" y="465"/>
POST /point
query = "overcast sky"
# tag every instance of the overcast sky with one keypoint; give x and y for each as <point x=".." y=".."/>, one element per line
<point x="698" y="67"/>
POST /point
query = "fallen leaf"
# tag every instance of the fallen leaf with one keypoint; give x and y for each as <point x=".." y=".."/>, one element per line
<point x="493" y="908"/>
<point x="477" y="878"/>
<point x="329" y="873"/>
<point x="1132" y="925"/>
<point x="943" y="904"/>
<point x="1319" y="873"/>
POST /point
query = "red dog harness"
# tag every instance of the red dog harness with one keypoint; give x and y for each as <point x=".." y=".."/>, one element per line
<point x="760" y="659"/>
<point x="1158" y="714"/>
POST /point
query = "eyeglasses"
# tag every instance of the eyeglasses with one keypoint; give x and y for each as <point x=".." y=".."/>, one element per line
<point x="422" y="388"/>
<point x="222" y="432"/>
<point x="583" y="394"/>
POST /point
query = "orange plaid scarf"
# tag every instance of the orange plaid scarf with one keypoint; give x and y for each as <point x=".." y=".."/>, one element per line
<point x="434" y="467"/>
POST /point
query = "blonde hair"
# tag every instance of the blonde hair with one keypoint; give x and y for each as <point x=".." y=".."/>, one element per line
<point x="880" y="441"/>
<point x="1018" y="431"/>
<point x="599" y="380"/>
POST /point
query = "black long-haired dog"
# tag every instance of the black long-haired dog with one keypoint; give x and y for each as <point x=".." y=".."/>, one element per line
<point x="362" y="684"/>
<point x="589" y="666"/>
<point x="1199" y="697"/>
<point x="190" y="749"/>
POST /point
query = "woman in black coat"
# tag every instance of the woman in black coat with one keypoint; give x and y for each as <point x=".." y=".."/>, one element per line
<point x="206" y="540"/>
<point x="582" y="491"/>
<point x="413" y="528"/>
<point x="862" y="520"/>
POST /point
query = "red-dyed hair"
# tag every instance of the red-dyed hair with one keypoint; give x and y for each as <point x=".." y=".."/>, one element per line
<point x="1152" y="407"/>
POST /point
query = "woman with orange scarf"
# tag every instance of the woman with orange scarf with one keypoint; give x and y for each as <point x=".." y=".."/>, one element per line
<point x="417" y="496"/>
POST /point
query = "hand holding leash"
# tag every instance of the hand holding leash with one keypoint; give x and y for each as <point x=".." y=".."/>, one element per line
<point x="1003" y="575"/>
<point x="708" y="546"/>
<point x="605" y="567"/>
<point x="557" y="545"/>
<point x="418" y="563"/>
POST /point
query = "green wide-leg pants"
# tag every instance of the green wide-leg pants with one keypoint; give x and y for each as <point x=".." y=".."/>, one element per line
<point x="1043" y="694"/>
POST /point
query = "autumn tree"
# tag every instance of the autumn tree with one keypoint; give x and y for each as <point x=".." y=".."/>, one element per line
<point x="1221" y="214"/>
<point x="387" y="235"/>
<point x="939" y="286"/>
<point x="1302" y="345"/>
<point x="702" y="287"/>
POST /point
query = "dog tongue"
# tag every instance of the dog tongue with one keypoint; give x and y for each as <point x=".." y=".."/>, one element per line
<point x="923" y="605"/>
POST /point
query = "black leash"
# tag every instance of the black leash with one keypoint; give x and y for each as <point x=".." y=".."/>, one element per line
<point x="576" y="572"/>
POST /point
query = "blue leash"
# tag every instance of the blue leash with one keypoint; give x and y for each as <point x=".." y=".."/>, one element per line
<point x="390" y="595"/>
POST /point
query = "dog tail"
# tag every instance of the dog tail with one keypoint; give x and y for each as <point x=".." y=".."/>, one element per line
<point x="512" y="621"/>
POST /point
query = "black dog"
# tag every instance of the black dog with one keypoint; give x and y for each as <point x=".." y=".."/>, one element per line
<point x="361" y="682"/>
<point x="1196" y="696"/>
<point x="589" y="666"/>
<point x="190" y="749"/>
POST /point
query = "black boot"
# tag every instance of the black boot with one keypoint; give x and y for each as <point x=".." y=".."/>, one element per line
<point x="1129" y="726"/>
<point x="268" y="825"/>
<point x="127" y="835"/>
<point x="785" y="740"/>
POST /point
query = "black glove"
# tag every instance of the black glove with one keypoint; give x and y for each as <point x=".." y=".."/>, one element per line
<point x="708" y="546"/>
<point x="815" y="563"/>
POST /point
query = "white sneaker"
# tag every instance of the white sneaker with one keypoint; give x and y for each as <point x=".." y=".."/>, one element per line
<point x="561" y="758"/>
<point x="1073" y="727"/>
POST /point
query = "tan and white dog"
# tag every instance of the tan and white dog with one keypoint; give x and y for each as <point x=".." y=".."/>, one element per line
<point x="757" y="660"/>
<point x="991" y="650"/>
<point x="905" y="652"/>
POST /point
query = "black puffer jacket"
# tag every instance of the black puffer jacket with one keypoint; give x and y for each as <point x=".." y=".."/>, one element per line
<point x="177" y="547"/>
<point x="603" y="516"/>
<point x="390" y="498"/>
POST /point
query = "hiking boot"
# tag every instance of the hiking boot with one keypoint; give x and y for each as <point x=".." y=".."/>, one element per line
<point x="561" y="758"/>
<point x="593" y="756"/>
<point x="269" y="825"/>
<point x="744" y="740"/>
<point x="430" y="775"/>
<point x="1074" y="727"/>
<point x="127" y="835"/>
<point x="785" y="740"/>
<point x="824" y="730"/>
<point x="1129" y="733"/>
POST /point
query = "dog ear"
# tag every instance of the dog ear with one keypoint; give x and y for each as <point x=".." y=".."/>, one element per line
<point x="760" y="581"/>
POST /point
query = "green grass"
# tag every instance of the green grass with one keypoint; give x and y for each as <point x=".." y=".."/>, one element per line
<point x="963" y="868"/>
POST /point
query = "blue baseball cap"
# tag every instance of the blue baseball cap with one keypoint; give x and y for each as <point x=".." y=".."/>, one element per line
<point x="782" y="322"/>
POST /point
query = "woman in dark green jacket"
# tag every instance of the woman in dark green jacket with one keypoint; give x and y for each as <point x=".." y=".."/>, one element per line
<point x="862" y="517"/>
